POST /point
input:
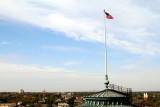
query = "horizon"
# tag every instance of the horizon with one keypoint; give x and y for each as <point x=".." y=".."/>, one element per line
<point x="70" y="91"/>
<point x="59" y="45"/>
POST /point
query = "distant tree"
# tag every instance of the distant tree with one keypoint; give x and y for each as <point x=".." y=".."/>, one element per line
<point x="36" y="99"/>
<point x="50" y="101"/>
<point x="70" y="101"/>
<point x="58" y="96"/>
<point x="158" y="103"/>
<point x="62" y="100"/>
<point x="140" y="97"/>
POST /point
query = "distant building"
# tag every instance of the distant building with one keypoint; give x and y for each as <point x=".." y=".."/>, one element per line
<point x="63" y="105"/>
<point x="7" y="104"/>
<point x="63" y="95"/>
<point x="41" y="101"/>
<point x="58" y="100"/>
<point x="78" y="101"/>
<point x="21" y="91"/>
<point x="69" y="94"/>
<point x="44" y="91"/>
<point x="19" y="102"/>
<point x="145" y="96"/>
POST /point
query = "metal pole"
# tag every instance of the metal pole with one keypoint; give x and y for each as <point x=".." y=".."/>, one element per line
<point x="106" y="76"/>
<point x="105" y="43"/>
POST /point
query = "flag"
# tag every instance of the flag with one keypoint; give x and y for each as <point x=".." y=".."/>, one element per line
<point x="108" y="16"/>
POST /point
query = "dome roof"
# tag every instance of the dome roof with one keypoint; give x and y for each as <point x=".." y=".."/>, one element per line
<point x="108" y="97"/>
<point x="107" y="93"/>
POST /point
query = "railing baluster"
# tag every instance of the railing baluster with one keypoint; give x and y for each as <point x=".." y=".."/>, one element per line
<point x="120" y="89"/>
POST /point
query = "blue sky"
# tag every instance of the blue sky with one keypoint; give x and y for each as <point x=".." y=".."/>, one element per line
<point x="59" y="46"/>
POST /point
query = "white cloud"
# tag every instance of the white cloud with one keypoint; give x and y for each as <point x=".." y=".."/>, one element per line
<point x="13" y="58"/>
<point x="72" y="63"/>
<point x="5" y="43"/>
<point x="62" y="48"/>
<point x="83" y="20"/>
<point x="130" y="67"/>
<point x="20" y="68"/>
<point x="36" y="77"/>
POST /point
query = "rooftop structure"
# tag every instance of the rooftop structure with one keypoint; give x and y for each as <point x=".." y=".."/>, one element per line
<point x="114" y="95"/>
<point x="21" y="91"/>
<point x="63" y="105"/>
<point x="44" y="91"/>
<point x="7" y="104"/>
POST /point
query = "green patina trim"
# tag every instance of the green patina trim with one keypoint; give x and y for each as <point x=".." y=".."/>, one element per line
<point x="106" y="82"/>
<point x="109" y="98"/>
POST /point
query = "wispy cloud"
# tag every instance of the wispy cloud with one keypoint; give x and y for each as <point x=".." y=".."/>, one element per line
<point x="62" y="48"/>
<point x="22" y="68"/>
<point x="130" y="67"/>
<point x="12" y="58"/>
<point x="72" y="63"/>
<point x="5" y="43"/>
<point x="36" y="75"/>
<point x="131" y="31"/>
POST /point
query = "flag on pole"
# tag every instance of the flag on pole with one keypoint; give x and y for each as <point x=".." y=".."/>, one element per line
<point x="108" y="16"/>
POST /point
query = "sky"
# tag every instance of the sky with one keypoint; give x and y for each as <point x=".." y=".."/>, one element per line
<point x="58" y="45"/>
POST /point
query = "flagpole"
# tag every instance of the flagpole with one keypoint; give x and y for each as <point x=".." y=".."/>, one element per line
<point x="105" y="43"/>
<point x="106" y="76"/>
